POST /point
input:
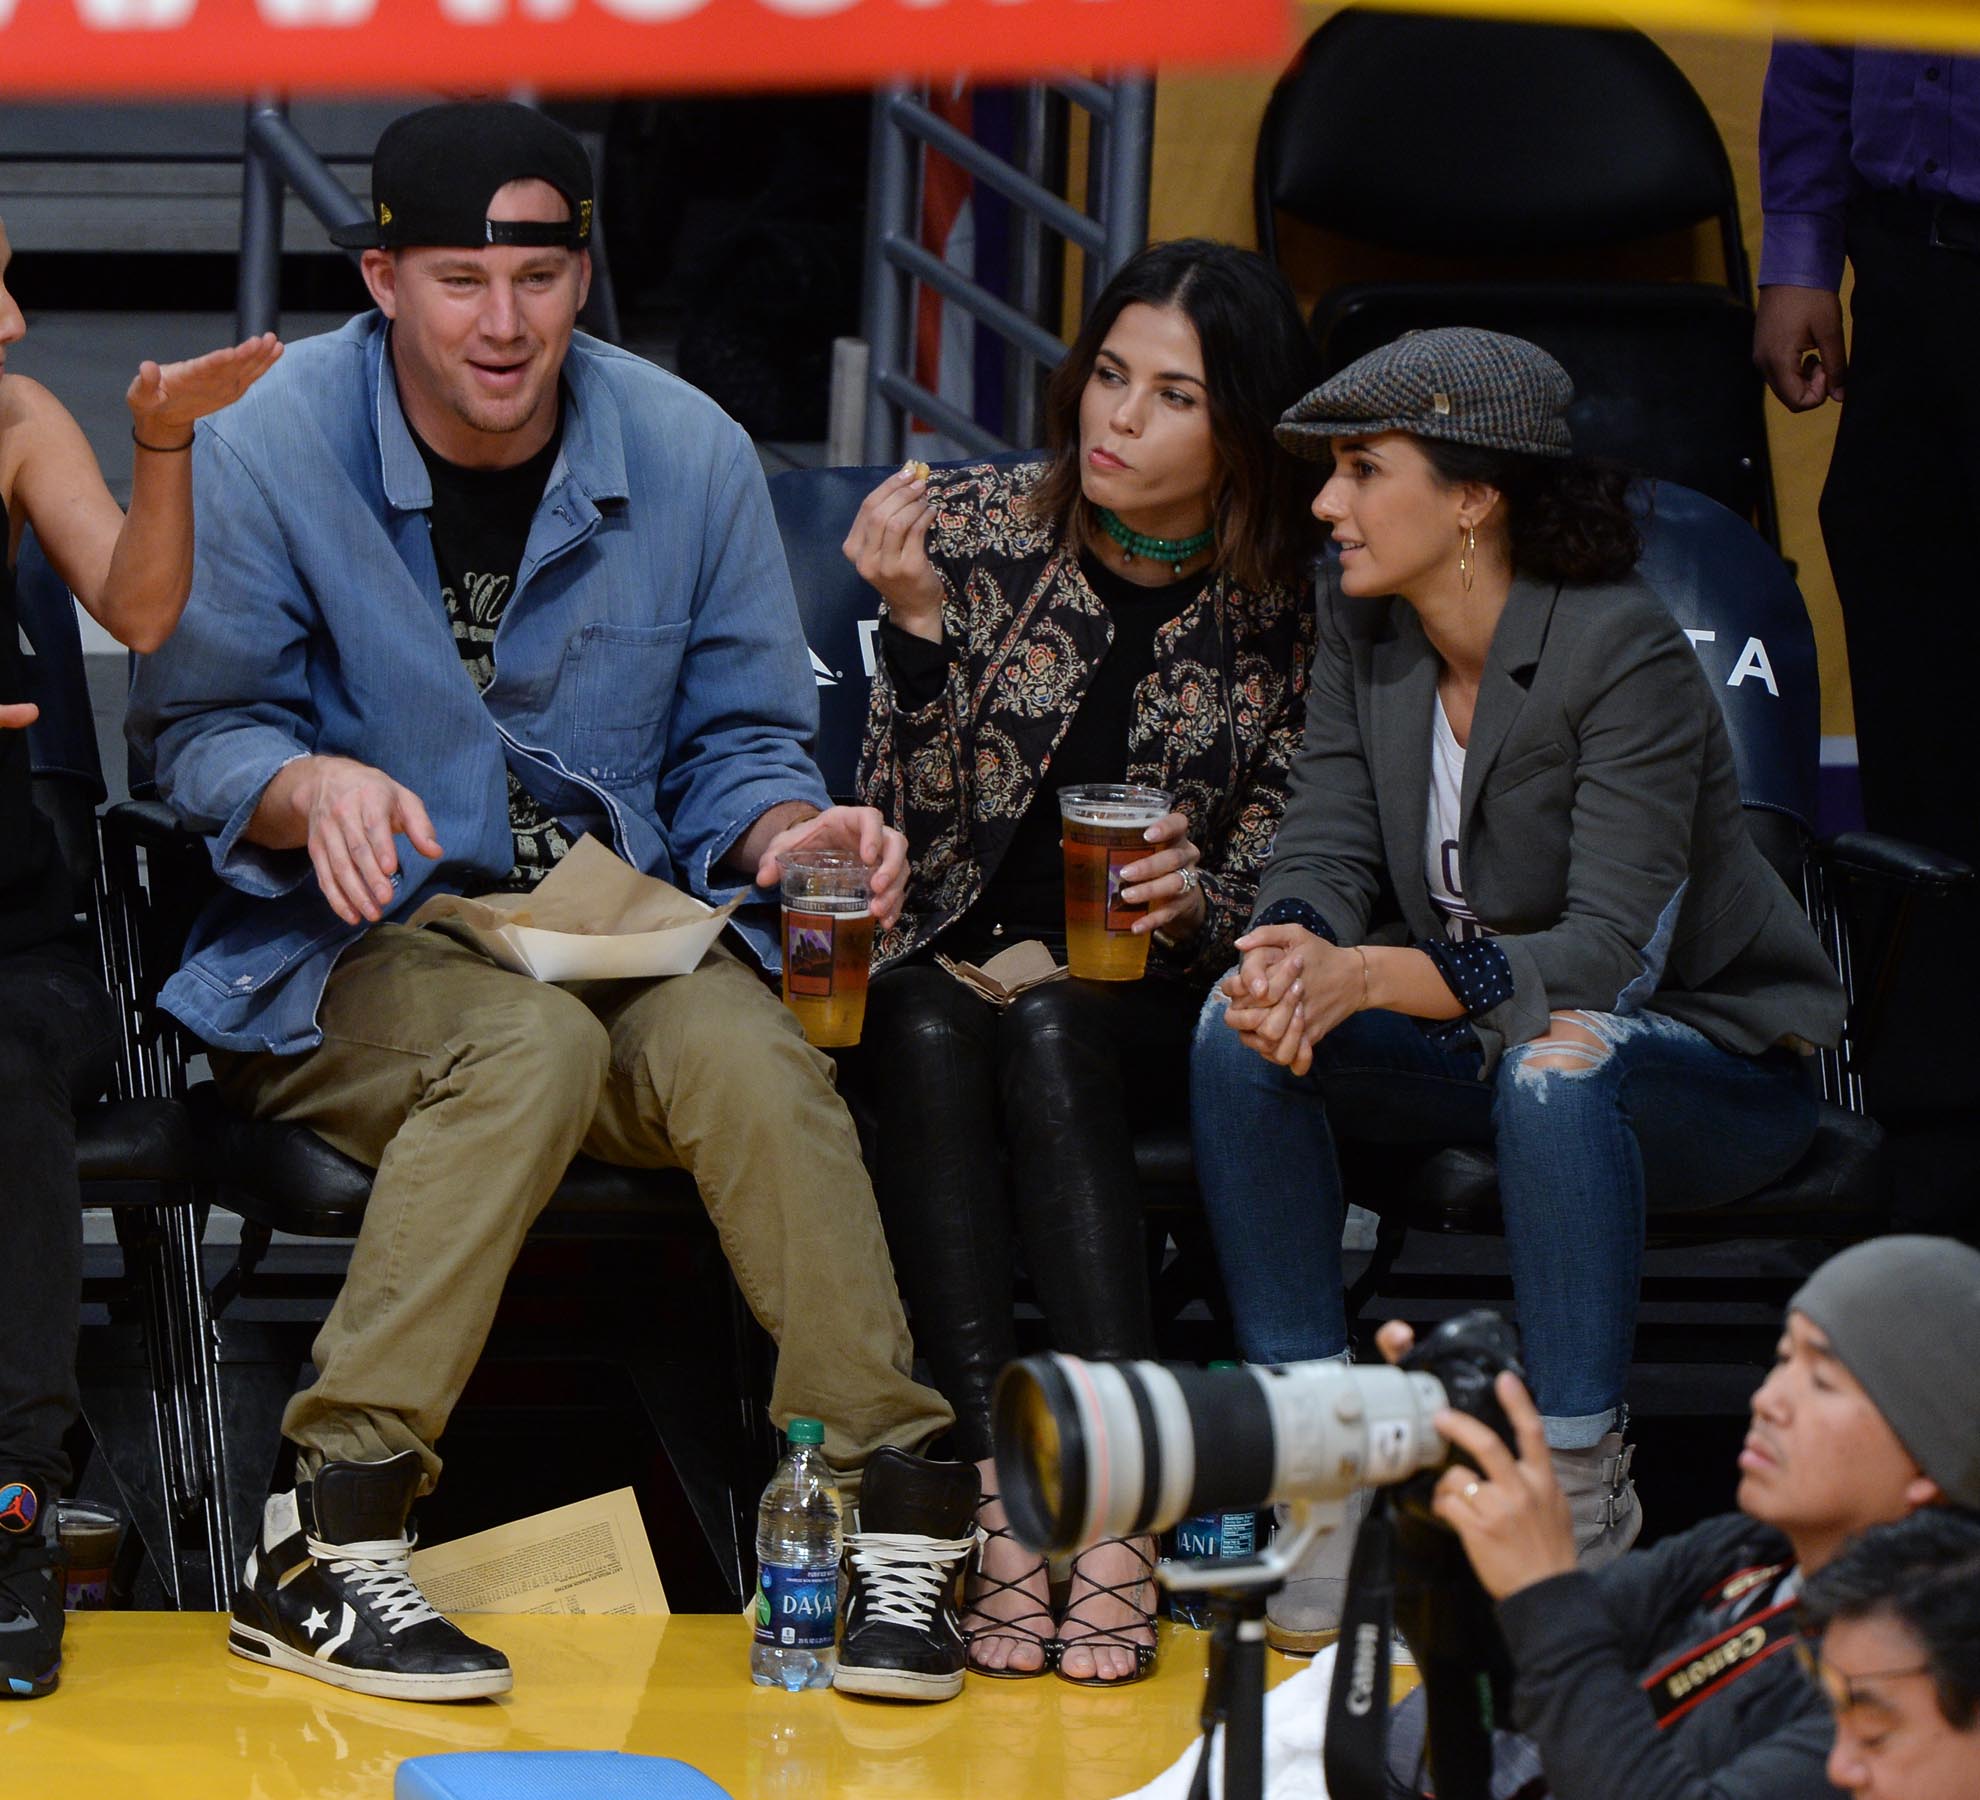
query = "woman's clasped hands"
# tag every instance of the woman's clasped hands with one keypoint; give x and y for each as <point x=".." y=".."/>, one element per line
<point x="1292" y="988"/>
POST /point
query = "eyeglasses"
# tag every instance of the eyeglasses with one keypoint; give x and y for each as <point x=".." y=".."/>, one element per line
<point x="1840" y="1688"/>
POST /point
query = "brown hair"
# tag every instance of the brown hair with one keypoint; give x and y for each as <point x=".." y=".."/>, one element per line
<point x="1257" y="360"/>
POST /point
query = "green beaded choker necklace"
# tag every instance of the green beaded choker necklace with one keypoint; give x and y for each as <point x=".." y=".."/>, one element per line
<point x="1173" y="551"/>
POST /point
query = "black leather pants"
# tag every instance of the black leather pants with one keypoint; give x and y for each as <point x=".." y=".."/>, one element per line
<point x="1011" y="1132"/>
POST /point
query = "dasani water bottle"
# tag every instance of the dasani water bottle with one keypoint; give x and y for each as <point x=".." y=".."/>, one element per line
<point x="1210" y="1535"/>
<point x="798" y="1538"/>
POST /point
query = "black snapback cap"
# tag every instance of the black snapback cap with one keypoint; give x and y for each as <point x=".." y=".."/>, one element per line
<point x="435" y="171"/>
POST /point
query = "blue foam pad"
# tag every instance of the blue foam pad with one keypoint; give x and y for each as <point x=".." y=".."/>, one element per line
<point x="551" y="1775"/>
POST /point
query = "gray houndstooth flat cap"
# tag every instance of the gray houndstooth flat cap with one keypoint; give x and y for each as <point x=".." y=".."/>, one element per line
<point x="1457" y="383"/>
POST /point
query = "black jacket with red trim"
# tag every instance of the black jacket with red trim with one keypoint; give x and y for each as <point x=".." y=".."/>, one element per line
<point x="1583" y="1647"/>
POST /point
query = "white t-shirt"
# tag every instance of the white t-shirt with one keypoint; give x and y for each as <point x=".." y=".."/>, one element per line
<point x="1440" y="833"/>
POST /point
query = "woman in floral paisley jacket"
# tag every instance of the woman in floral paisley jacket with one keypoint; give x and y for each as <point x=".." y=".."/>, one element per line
<point x="1139" y="607"/>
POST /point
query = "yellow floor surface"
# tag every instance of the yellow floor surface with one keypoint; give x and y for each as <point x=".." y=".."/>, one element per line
<point x="152" y="1707"/>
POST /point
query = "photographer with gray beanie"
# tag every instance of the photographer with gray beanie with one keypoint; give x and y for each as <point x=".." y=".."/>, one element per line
<point x="1670" y="1674"/>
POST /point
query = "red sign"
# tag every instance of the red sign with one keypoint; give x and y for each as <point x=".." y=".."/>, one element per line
<point x="160" y="47"/>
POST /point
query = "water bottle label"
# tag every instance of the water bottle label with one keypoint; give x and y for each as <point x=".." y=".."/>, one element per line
<point x="1217" y="1534"/>
<point x="797" y="1608"/>
<point x="1199" y="1537"/>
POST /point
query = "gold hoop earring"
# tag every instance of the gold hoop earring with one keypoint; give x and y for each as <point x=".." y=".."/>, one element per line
<point x="1468" y="557"/>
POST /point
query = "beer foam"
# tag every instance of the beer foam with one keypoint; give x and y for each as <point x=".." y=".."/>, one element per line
<point x="1114" y="813"/>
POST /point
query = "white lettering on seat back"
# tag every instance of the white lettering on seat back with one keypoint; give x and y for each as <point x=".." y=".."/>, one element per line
<point x="1753" y="661"/>
<point x="1753" y="664"/>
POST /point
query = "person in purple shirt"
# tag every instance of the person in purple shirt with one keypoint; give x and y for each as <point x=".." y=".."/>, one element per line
<point x="1872" y="156"/>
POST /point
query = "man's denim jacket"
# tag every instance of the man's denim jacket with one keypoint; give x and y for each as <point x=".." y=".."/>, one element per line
<point x="652" y="684"/>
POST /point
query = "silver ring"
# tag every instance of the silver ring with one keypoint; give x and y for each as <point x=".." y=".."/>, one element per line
<point x="1471" y="1490"/>
<point x="1189" y="881"/>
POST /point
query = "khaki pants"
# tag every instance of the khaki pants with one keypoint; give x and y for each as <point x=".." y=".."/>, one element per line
<point x="470" y="1089"/>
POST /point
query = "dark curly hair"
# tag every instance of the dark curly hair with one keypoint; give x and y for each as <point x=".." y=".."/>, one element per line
<point x="1257" y="360"/>
<point x="1924" y="1572"/>
<point x="1569" y="516"/>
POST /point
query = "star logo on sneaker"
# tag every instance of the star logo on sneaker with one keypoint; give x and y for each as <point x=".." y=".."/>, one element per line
<point x="317" y="1621"/>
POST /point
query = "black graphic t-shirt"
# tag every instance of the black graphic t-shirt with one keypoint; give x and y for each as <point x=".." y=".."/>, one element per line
<point x="480" y="522"/>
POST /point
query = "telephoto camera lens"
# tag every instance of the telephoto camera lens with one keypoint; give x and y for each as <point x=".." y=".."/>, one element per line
<point x="1089" y="1450"/>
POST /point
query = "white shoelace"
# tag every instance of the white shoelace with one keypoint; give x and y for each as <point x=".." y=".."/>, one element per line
<point x="380" y="1572"/>
<point x="906" y="1574"/>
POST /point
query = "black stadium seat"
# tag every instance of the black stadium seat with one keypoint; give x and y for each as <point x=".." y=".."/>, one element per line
<point x="135" y="1156"/>
<point x="1538" y="166"/>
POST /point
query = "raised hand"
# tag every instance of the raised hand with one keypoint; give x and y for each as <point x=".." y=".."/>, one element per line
<point x="166" y="398"/>
<point x="1511" y="1514"/>
<point x="888" y="545"/>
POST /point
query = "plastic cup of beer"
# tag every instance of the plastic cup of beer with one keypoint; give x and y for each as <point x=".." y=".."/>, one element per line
<point x="828" y="943"/>
<point x="1102" y="826"/>
<point x="90" y="1537"/>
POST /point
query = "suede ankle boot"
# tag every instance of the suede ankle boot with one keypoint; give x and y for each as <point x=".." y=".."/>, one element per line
<point x="1601" y="1497"/>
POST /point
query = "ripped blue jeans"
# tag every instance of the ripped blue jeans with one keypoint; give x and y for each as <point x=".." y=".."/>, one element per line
<point x="1602" y="1119"/>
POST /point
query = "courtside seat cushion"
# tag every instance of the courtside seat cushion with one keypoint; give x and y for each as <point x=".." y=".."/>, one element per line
<point x="287" y="1178"/>
<point x="551" y="1775"/>
<point x="134" y="1141"/>
<point x="1836" y="1185"/>
<point x="1163" y="1158"/>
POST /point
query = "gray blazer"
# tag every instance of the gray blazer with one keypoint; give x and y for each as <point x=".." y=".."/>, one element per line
<point x="1600" y="829"/>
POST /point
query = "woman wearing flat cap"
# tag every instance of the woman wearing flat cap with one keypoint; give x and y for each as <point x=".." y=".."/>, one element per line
<point x="1513" y="903"/>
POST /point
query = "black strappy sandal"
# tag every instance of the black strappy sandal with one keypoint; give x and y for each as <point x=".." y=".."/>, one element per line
<point x="1018" y="1628"/>
<point x="1138" y="1595"/>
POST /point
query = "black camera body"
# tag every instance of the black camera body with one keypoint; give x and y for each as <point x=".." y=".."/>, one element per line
<point x="1411" y="1571"/>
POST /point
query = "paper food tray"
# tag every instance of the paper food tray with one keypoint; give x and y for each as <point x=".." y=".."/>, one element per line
<point x="604" y="921"/>
<point x="571" y="956"/>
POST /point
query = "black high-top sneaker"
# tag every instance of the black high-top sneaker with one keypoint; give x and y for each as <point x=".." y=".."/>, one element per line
<point x="917" y="1527"/>
<point x="327" y="1592"/>
<point x="30" y="1591"/>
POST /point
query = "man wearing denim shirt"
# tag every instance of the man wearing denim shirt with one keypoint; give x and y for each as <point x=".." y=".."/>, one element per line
<point x="469" y="586"/>
<point x="1872" y="155"/>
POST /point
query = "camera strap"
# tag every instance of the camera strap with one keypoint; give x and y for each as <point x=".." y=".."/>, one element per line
<point x="1712" y="1666"/>
<point x="1355" y="1754"/>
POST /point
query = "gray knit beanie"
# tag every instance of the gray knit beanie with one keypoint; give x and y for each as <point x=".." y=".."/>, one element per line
<point x="1902" y="1315"/>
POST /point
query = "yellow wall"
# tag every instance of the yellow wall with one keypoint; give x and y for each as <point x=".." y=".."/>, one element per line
<point x="1206" y="125"/>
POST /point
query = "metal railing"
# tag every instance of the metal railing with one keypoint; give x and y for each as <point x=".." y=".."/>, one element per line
<point x="275" y="157"/>
<point x="1112" y="227"/>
